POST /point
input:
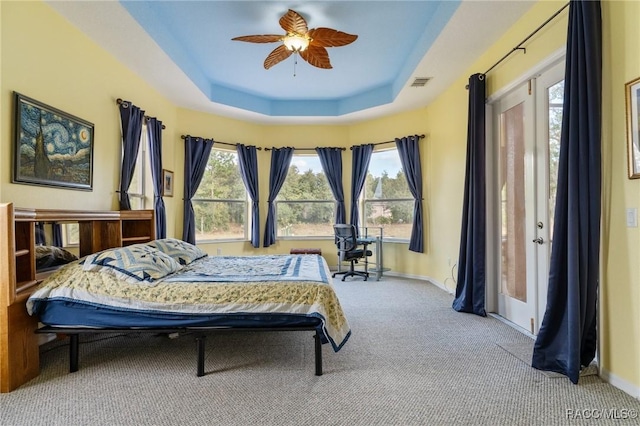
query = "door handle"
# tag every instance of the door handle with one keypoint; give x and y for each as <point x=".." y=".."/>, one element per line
<point x="539" y="240"/>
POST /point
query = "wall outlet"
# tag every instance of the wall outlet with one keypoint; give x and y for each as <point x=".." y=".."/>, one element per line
<point x="449" y="261"/>
<point x="219" y="252"/>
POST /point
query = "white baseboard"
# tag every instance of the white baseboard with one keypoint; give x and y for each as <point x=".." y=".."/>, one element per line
<point x="433" y="281"/>
<point x="619" y="383"/>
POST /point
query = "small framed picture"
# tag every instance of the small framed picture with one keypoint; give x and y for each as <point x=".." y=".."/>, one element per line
<point x="632" y="95"/>
<point x="167" y="183"/>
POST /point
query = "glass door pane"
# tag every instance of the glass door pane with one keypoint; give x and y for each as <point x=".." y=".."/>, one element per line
<point x="555" y="96"/>
<point x="512" y="201"/>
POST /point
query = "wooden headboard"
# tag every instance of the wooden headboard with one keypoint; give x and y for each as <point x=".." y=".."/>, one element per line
<point x="99" y="230"/>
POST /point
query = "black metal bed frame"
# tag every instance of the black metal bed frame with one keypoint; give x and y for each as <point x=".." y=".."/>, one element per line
<point x="74" y="334"/>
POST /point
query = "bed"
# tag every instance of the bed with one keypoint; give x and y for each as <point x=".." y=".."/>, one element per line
<point x="101" y="231"/>
<point x="172" y="285"/>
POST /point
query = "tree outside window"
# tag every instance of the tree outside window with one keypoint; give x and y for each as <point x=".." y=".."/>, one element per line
<point x="305" y="206"/>
<point x="387" y="200"/>
<point x="220" y="203"/>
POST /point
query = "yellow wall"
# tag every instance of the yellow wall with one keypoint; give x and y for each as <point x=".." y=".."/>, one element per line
<point x="86" y="81"/>
<point x="620" y="285"/>
<point x="56" y="64"/>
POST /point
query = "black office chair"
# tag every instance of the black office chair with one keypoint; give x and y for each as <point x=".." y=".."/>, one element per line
<point x="348" y="250"/>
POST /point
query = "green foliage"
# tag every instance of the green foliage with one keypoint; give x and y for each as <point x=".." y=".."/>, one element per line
<point x="304" y="186"/>
<point x="385" y="187"/>
<point x="305" y="198"/>
<point x="221" y="181"/>
<point x="382" y="188"/>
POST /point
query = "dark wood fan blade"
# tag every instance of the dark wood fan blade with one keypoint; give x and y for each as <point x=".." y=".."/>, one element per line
<point x="292" y="22"/>
<point x="265" y="38"/>
<point x="317" y="56"/>
<point x="328" y="37"/>
<point x="278" y="54"/>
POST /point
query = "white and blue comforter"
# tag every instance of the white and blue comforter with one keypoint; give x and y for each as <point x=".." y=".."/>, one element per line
<point x="296" y="285"/>
<point x="281" y="268"/>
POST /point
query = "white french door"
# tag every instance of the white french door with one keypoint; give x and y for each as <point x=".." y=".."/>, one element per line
<point x="526" y="136"/>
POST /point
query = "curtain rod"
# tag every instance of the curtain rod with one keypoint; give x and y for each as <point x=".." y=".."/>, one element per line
<point x="307" y="149"/>
<point x="519" y="46"/>
<point x="297" y="149"/>
<point x="126" y="105"/>
<point x="381" y="143"/>
<point x="215" y="141"/>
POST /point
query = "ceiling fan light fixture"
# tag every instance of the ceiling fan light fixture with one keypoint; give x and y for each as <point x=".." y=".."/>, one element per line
<point x="295" y="42"/>
<point x="311" y="44"/>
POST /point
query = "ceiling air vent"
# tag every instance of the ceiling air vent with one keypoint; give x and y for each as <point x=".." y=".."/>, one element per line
<point x="420" y="81"/>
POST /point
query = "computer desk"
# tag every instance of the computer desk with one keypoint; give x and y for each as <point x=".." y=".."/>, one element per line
<point x="373" y="235"/>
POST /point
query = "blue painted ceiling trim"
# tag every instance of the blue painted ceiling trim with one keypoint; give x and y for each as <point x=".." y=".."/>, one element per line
<point x="148" y="18"/>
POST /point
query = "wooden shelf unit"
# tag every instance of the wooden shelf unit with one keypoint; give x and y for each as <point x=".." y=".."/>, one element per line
<point x="99" y="230"/>
<point x="137" y="227"/>
<point x="116" y="229"/>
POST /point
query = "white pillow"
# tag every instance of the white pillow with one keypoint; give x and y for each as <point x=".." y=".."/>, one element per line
<point x="138" y="263"/>
<point x="181" y="251"/>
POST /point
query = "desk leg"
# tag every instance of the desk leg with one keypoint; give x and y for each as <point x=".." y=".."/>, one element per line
<point x="379" y="264"/>
<point x="366" y="259"/>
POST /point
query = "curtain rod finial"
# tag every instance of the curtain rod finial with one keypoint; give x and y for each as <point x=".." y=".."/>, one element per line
<point x="124" y="104"/>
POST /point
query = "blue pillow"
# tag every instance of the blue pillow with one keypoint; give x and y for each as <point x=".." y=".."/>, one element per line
<point x="181" y="251"/>
<point x="137" y="263"/>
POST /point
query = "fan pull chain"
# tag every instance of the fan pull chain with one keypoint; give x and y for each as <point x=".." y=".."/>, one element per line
<point x="295" y="62"/>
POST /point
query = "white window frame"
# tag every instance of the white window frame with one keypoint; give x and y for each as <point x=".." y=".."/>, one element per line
<point x="142" y="172"/>
<point x="363" y="201"/>
<point x="70" y="234"/>
<point x="279" y="202"/>
<point x="247" y="207"/>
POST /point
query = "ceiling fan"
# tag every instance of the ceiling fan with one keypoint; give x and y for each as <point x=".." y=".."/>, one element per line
<point x="310" y="44"/>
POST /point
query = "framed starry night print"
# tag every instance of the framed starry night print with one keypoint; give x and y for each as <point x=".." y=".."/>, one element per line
<point x="51" y="148"/>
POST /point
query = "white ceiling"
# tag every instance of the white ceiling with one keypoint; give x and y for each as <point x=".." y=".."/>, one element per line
<point x="184" y="50"/>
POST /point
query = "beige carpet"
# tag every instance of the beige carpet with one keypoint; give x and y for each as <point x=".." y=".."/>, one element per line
<point x="411" y="360"/>
<point x="524" y="352"/>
